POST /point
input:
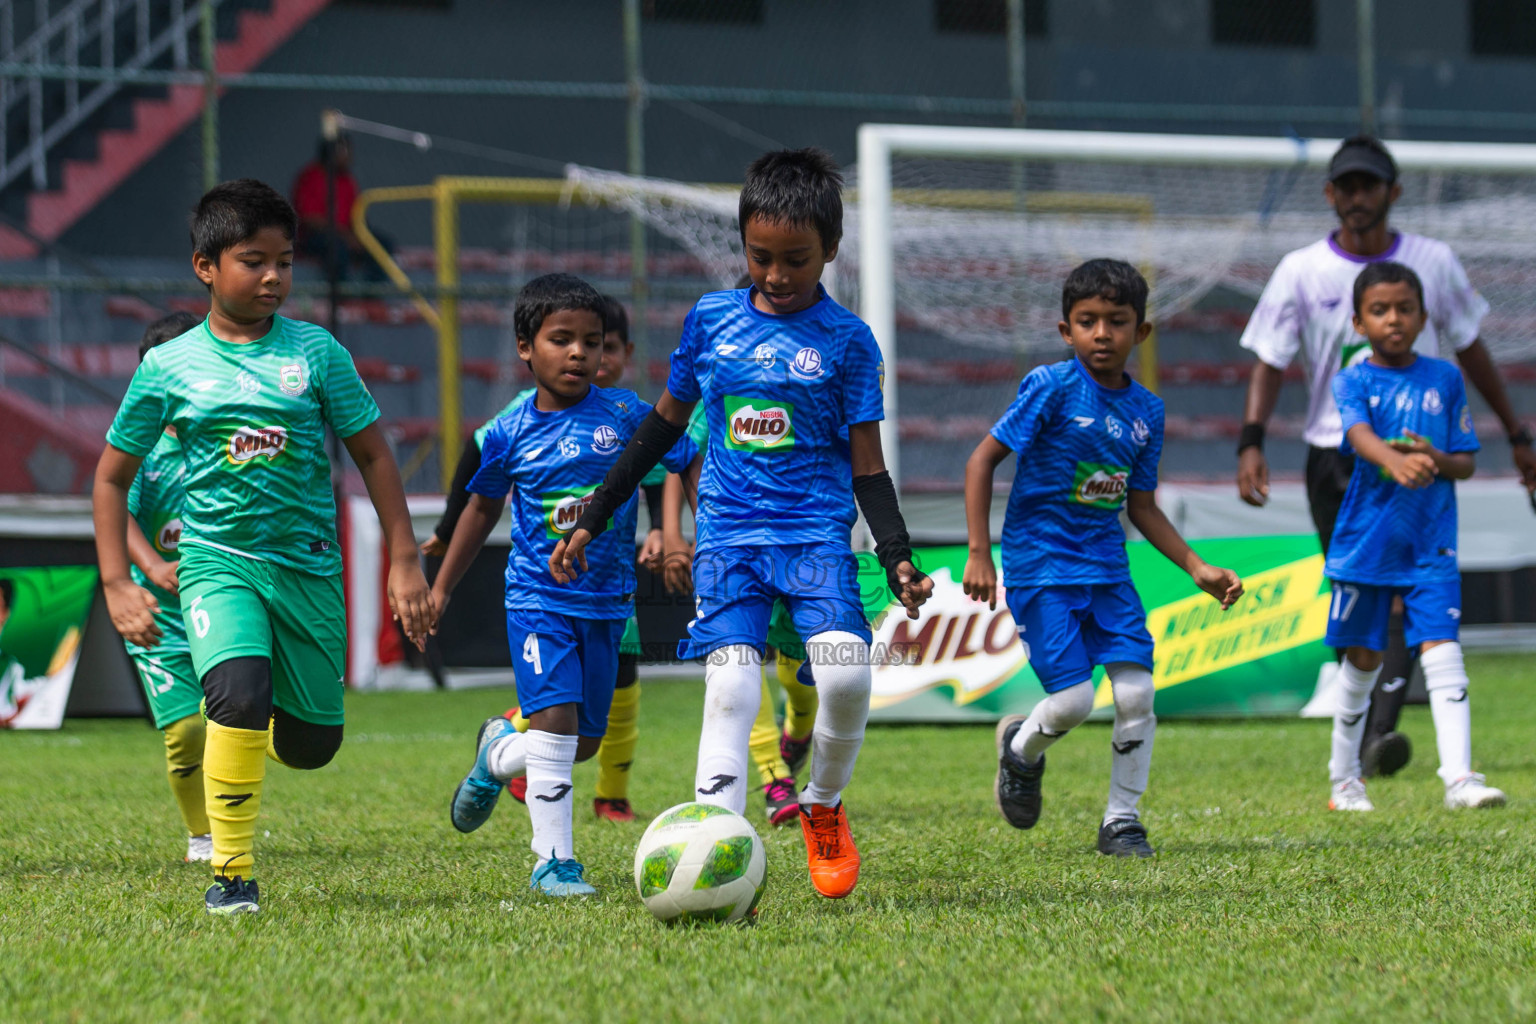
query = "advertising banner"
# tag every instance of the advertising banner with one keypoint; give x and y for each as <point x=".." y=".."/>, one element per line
<point x="962" y="661"/>
<point x="42" y="618"/>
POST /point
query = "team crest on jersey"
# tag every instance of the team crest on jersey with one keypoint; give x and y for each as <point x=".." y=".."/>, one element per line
<point x="756" y="425"/>
<point x="248" y="382"/>
<point x="605" y="439"/>
<point x="807" y="364"/>
<point x="1466" y="420"/>
<point x="764" y="355"/>
<point x="168" y="537"/>
<point x="1113" y="427"/>
<point x="290" y="379"/>
<point x="569" y="447"/>
<point x="1432" y="403"/>
<point x="1140" y="432"/>
<point x="1404" y="401"/>
<point x="880" y="372"/>
<point x="248" y="443"/>
<point x="1100" y="485"/>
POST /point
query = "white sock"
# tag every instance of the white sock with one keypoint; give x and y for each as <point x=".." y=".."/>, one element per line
<point x="550" y="759"/>
<point x="1135" y="725"/>
<point x="1051" y="719"/>
<point x="843" y="691"/>
<point x="1445" y="677"/>
<point x="733" y="690"/>
<point x="508" y="756"/>
<point x="1354" y="700"/>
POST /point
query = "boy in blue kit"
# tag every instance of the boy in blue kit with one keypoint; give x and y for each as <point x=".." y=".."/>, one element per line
<point x="780" y="368"/>
<point x="553" y="451"/>
<point x="1406" y="417"/>
<point x="1088" y="440"/>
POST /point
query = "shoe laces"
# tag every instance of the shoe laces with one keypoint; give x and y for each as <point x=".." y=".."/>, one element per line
<point x="1130" y="828"/>
<point x="1471" y="779"/>
<point x="780" y="790"/>
<point x="826" y="834"/>
<point x="568" y="870"/>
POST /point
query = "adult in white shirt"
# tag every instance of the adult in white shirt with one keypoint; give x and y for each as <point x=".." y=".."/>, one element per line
<point x="1306" y="310"/>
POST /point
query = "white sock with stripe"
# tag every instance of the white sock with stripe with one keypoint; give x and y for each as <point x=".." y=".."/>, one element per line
<point x="733" y="689"/>
<point x="550" y="760"/>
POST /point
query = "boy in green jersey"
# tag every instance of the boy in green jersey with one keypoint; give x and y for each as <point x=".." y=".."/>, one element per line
<point x="170" y="684"/>
<point x="251" y="394"/>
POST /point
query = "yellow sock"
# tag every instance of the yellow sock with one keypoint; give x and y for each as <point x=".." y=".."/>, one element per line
<point x="272" y="744"/>
<point x="763" y="744"/>
<point x="184" y="741"/>
<point x="617" y="752"/>
<point x="800" y="701"/>
<point x="521" y="724"/>
<point x="234" y="764"/>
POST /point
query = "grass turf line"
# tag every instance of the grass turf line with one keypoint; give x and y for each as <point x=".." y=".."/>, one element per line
<point x="1260" y="906"/>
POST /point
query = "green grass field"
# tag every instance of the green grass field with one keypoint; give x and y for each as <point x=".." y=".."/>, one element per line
<point x="1260" y="906"/>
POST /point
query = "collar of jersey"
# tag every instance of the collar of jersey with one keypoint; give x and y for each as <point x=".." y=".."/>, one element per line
<point x="1083" y="370"/>
<point x="1417" y="359"/>
<point x="814" y="309"/>
<point x="1391" y="250"/>
<point x="245" y="346"/>
<point x="533" y="403"/>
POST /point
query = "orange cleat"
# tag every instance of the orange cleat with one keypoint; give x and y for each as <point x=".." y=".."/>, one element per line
<point x="829" y="849"/>
<point x="613" y="810"/>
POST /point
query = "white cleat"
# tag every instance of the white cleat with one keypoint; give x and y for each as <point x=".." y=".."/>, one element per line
<point x="199" y="848"/>
<point x="1349" y="795"/>
<point x="1473" y="791"/>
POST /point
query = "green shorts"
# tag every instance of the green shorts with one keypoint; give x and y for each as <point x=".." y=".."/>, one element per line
<point x="237" y="607"/>
<point x="170" y="685"/>
<point x="629" y="643"/>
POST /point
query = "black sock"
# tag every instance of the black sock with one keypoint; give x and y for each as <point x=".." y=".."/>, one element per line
<point x="1392" y="685"/>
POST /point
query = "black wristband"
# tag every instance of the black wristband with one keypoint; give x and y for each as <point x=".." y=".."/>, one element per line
<point x="1521" y="438"/>
<point x="1251" y="436"/>
<point x="653" y="438"/>
<point x="876" y="495"/>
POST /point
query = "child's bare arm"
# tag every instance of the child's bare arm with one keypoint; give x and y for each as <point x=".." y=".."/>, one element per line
<point x="143" y="554"/>
<point x="409" y="597"/>
<point x="131" y="607"/>
<point x="1222" y="584"/>
<point x="980" y="578"/>
<point x="676" y="554"/>
<point x="479" y="518"/>
<point x="1452" y="465"/>
<point x="1410" y="469"/>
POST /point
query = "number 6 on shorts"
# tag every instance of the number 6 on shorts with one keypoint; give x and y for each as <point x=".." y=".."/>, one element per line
<point x="199" y="617"/>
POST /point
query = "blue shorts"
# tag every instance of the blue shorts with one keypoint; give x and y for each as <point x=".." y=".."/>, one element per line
<point x="735" y="587"/>
<point x="1067" y="630"/>
<point x="563" y="659"/>
<point x="1358" y="615"/>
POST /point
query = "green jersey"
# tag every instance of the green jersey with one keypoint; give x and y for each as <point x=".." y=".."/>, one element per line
<point x="155" y="501"/>
<point x="655" y="478"/>
<point x="251" y="421"/>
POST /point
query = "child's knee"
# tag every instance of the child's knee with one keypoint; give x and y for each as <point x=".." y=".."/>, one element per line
<point x="1068" y="708"/>
<point x="303" y="745"/>
<point x="586" y="747"/>
<point x="184" y="739"/>
<point x="1133" y="689"/>
<point x="238" y="693"/>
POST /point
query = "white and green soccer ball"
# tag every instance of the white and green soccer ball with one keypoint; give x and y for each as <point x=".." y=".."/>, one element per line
<point x="698" y="862"/>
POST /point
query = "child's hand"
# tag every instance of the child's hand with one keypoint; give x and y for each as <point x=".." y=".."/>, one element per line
<point x="651" y="551"/>
<point x="433" y="548"/>
<point x="915" y="587"/>
<point x="411" y="601"/>
<point x="164" y="576"/>
<point x="980" y="579"/>
<point x="568" y="554"/>
<point x="133" y="611"/>
<point x="1414" y="470"/>
<point x="439" y="607"/>
<point x="1411" y="442"/>
<point x="1222" y="584"/>
<point x="677" y="568"/>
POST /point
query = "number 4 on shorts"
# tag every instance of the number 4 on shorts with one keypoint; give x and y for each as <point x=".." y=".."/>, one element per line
<point x="531" y="653"/>
<point x="199" y="618"/>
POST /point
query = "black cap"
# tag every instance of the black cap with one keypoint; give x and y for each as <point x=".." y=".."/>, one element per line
<point x="1365" y="155"/>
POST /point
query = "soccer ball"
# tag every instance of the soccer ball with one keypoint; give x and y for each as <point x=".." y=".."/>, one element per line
<point x="699" y="862"/>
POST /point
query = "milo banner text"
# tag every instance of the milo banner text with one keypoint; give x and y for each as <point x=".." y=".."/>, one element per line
<point x="42" y="618"/>
<point x="962" y="660"/>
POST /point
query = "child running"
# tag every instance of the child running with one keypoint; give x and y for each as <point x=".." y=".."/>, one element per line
<point x="1406" y="418"/>
<point x="1088" y="440"/>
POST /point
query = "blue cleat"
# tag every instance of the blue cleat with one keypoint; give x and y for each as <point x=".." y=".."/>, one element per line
<point x="476" y="796"/>
<point x="561" y="878"/>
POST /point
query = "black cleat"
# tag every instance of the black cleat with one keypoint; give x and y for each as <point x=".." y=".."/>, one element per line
<point x="1124" y="837"/>
<point x="228" y="896"/>
<point x="1018" y="784"/>
<point x="1385" y="755"/>
<point x="794" y="752"/>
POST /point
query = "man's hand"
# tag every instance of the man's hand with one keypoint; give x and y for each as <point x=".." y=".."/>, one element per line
<point x="432" y="547"/>
<point x="1222" y="584"/>
<point x="1414" y="470"/>
<point x="164" y="576"/>
<point x="570" y="553"/>
<point x="980" y="579"/>
<point x="411" y="601"/>
<point x="1253" y="476"/>
<point x="677" y="568"/>
<point x="651" y="551"/>
<point x="913" y="594"/>
<point x="133" y="610"/>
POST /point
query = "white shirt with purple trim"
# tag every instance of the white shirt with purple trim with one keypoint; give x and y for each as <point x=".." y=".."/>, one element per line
<point x="1308" y="308"/>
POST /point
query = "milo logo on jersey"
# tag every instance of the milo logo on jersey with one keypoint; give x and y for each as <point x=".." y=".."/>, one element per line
<point x="1354" y="353"/>
<point x="248" y="443"/>
<point x="563" y="508"/>
<point x="167" y="538"/>
<point x="758" y="424"/>
<point x="1099" y="485"/>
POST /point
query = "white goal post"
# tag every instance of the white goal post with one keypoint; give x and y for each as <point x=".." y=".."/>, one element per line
<point x="877" y="200"/>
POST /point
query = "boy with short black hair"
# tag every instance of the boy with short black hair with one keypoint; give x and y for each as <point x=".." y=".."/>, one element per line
<point x="170" y="683"/>
<point x="781" y="369"/>
<point x="553" y="451"/>
<point x="1088" y="439"/>
<point x="251" y="394"/>
<point x="1405" y="415"/>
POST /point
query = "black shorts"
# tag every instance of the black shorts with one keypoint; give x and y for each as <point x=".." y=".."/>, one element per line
<point x="1328" y="473"/>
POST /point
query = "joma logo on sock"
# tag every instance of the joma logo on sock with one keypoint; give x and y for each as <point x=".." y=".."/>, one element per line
<point x="720" y="783"/>
<point x="233" y="799"/>
<point x="557" y="795"/>
<point x="1127" y="746"/>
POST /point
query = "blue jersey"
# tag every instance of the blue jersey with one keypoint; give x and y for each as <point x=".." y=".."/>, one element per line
<point x="776" y="392"/>
<point x="1387" y="533"/>
<point x="554" y="461"/>
<point x="1080" y="447"/>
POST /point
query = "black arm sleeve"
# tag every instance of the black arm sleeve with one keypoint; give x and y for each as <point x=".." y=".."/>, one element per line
<point x="876" y="495"/>
<point x="458" y="491"/>
<point x="652" y="497"/>
<point x="654" y="438"/>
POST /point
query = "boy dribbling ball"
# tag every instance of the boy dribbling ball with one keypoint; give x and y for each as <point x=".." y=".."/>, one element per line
<point x="1088" y="440"/>
<point x="1406" y="418"/>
